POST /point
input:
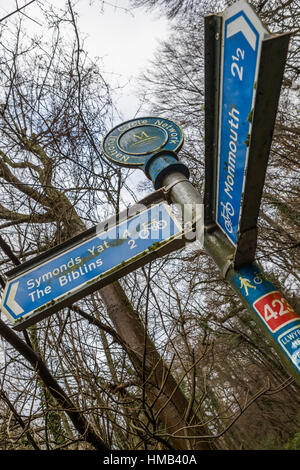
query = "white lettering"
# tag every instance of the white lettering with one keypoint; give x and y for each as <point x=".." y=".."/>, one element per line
<point x="30" y="283"/>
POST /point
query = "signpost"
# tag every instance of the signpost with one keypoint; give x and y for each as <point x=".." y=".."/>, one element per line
<point x="114" y="248"/>
<point x="238" y="128"/>
<point x="244" y="67"/>
<point x="274" y="314"/>
<point x="97" y="257"/>
<point x="263" y="300"/>
<point x="243" y="80"/>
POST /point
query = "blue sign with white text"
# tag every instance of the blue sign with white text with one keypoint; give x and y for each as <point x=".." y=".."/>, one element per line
<point x="71" y="269"/>
<point x="241" y="52"/>
<point x="275" y="313"/>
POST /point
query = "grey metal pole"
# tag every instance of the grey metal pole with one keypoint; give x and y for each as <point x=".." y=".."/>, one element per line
<point x="276" y="318"/>
<point x="187" y="197"/>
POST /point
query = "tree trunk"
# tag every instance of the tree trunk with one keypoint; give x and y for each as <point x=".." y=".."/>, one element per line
<point x="163" y="394"/>
<point x="169" y="403"/>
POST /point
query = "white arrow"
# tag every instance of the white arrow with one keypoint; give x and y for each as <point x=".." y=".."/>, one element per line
<point x="241" y="25"/>
<point x="11" y="302"/>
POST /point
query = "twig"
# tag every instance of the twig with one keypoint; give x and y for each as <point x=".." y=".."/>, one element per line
<point x="17" y="10"/>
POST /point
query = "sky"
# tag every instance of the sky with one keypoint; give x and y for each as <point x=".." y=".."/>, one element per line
<point x="125" y="40"/>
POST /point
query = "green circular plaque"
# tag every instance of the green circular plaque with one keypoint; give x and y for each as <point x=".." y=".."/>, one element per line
<point x="131" y="143"/>
<point x="142" y="140"/>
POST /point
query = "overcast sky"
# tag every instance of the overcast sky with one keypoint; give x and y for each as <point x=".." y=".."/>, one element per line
<point x="124" y="38"/>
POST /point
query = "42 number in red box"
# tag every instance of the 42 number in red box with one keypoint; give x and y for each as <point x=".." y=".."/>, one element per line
<point x="274" y="310"/>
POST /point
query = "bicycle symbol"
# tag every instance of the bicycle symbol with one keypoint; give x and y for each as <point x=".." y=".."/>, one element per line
<point x="153" y="225"/>
<point x="227" y="213"/>
<point x="258" y="279"/>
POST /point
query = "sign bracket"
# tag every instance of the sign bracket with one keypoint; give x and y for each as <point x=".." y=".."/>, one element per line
<point x="212" y="47"/>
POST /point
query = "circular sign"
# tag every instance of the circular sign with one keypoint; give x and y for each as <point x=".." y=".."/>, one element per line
<point x="133" y="142"/>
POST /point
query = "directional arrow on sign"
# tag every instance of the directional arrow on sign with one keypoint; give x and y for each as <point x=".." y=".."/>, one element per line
<point x="11" y="302"/>
<point x="240" y="25"/>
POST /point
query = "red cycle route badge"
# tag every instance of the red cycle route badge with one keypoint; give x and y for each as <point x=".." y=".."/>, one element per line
<point x="274" y="310"/>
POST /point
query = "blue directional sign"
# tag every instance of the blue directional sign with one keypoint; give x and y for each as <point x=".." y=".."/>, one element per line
<point x="272" y="309"/>
<point x="78" y="269"/>
<point x="242" y="37"/>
